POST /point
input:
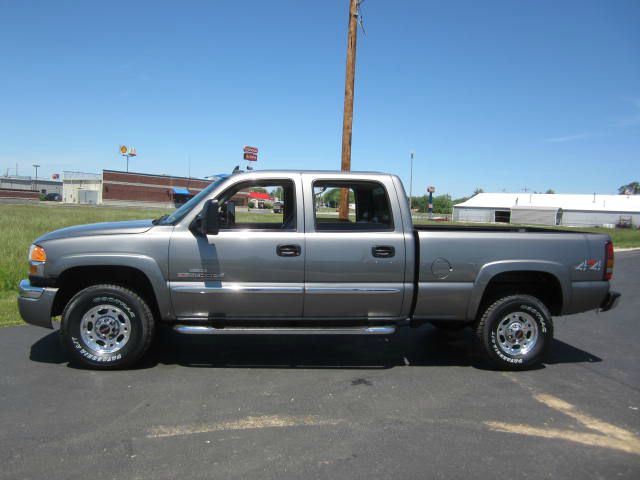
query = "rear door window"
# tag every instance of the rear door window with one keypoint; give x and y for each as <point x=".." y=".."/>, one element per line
<point x="368" y="206"/>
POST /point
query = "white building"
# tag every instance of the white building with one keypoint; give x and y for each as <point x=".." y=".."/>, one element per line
<point x="550" y="209"/>
<point x="84" y="188"/>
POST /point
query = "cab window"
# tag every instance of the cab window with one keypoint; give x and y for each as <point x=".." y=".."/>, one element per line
<point x="258" y="205"/>
<point x="368" y="206"/>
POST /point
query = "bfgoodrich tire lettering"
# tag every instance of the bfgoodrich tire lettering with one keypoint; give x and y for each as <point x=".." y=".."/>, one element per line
<point x="107" y="326"/>
<point x="515" y="332"/>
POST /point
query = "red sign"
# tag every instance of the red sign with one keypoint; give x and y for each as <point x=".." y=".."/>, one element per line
<point x="253" y="150"/>
<point x="251" y="157"/>
<point x="260" y="196"/>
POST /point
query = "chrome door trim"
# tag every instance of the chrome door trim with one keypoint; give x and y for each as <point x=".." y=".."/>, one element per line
<point x="203" y="288"/>
<point x="352" y="290"/>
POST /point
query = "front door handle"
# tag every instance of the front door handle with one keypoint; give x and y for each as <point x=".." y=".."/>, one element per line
<point x="383" y="251"/>
<point x="288" y="250"/>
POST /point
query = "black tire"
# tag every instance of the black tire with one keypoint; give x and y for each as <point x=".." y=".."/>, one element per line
<point x="500" y="342"/>
<point x="121" y="333"/>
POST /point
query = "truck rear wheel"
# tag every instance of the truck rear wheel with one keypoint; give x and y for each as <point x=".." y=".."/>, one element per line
<point x="107" y="327"/>
<point x="515" y="332"/>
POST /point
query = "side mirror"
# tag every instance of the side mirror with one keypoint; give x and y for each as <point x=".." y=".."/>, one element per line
<point x="209" y="218"/>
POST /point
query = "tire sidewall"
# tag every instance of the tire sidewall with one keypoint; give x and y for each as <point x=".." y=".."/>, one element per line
<point x="540" y="315"/>
<point x="92" y="297"/>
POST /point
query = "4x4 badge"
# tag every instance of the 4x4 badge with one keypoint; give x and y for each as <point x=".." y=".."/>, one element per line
<point x="590" y="265"/>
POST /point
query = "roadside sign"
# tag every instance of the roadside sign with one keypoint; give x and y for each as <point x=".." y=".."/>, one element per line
<point x="431" y="189"/>
<point x="250" y="153"/>
<point x="123" y="149"/>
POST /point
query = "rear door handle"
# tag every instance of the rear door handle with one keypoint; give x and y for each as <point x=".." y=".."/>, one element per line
<point x="288" y="250"/>
<point x="383" y="251"/>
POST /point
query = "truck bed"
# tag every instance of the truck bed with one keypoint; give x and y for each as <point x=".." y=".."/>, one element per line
<point x="457" y="263"/>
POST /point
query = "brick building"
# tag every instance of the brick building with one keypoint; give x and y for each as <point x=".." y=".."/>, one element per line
<point x="157" y="190"/>
<point x="19" y="194"/>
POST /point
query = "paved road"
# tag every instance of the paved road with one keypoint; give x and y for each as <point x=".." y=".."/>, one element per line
<point x="414" y="406"/>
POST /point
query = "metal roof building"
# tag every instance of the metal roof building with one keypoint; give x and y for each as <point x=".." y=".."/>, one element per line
<point x="550" y="209"/>
<point x="42" y="185"/>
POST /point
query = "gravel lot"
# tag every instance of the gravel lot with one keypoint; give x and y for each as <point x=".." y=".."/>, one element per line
<point x="415" y="405"/>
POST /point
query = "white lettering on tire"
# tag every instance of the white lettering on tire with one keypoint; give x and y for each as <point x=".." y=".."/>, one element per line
<point x="118" y="302"/>
<point x="78" y="346"/>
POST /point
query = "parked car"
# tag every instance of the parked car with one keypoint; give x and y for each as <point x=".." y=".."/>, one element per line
<point x="53" y="197"/>
<point x="277" y="207"/>
<point x="207" y="269"/>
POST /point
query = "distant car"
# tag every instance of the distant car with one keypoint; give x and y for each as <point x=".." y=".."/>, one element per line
<point x="53" y="197"/>
<point x="277" y="207"/>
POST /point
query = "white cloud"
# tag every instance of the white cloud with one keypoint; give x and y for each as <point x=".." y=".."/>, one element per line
<point x="568" y="138"/>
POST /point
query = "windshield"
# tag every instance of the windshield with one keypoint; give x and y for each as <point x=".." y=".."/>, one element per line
<point x="186" y="208"/>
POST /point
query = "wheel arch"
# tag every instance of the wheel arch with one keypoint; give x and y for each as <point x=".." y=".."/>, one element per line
<point x="540" y="279"/>
<point x="77" y="277"/>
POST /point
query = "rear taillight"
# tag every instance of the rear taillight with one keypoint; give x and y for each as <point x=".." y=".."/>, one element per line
<point x="608" y="260"/>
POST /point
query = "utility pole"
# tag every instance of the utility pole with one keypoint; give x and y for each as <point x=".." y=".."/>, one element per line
<point x="36" y="166"/>
<point x="347" y="122"/>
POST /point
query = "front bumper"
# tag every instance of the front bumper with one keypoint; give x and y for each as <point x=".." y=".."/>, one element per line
<point x="610" y="301"/>
<point x="35" y="304"/>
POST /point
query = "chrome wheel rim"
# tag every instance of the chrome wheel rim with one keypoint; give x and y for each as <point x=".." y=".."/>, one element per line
<point x="517" y="334"/>
<point x="105" y="329"/>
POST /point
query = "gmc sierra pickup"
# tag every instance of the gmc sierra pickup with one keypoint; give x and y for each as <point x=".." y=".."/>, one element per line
<point x="215" y="266"/>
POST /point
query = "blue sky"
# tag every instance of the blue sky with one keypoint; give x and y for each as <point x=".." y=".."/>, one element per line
<point x="496" y="94"/>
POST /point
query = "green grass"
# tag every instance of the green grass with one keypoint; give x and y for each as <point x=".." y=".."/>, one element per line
<point x="21" y="224"/>
<point x="9" y="309"/>
<point x="622" y="237"/>
<point x="266" y="216"/>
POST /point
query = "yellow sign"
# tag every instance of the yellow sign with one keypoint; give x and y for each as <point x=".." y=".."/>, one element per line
<point x="123" y="149"/>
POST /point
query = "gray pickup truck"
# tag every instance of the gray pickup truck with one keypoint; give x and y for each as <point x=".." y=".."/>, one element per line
<point x="215" y="266"/>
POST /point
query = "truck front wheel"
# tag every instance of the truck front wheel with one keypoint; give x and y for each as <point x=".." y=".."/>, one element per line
<point x="515" y="332"/>
<point x="107" y="327"/>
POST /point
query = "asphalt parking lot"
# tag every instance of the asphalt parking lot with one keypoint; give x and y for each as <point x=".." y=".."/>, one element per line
<point x="415" y="405"/>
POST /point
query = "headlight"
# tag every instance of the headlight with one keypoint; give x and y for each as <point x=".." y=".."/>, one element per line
<point x="37" y="254"/>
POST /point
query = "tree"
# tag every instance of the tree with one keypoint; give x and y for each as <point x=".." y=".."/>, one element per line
<point x="332" y="197"/>
<point x="461" y="200"/>
<point x="441" y="203"/>
<point x="477" y="191"/>
<point x="550" y="191"/>
<point x="632" y="188"/>
<point x="259" y="189"/>
<point x="419" y="203"/>
<point x="278" y="193"/>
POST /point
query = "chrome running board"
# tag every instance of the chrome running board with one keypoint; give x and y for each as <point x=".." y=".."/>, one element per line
<point x="208" y="330"/>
